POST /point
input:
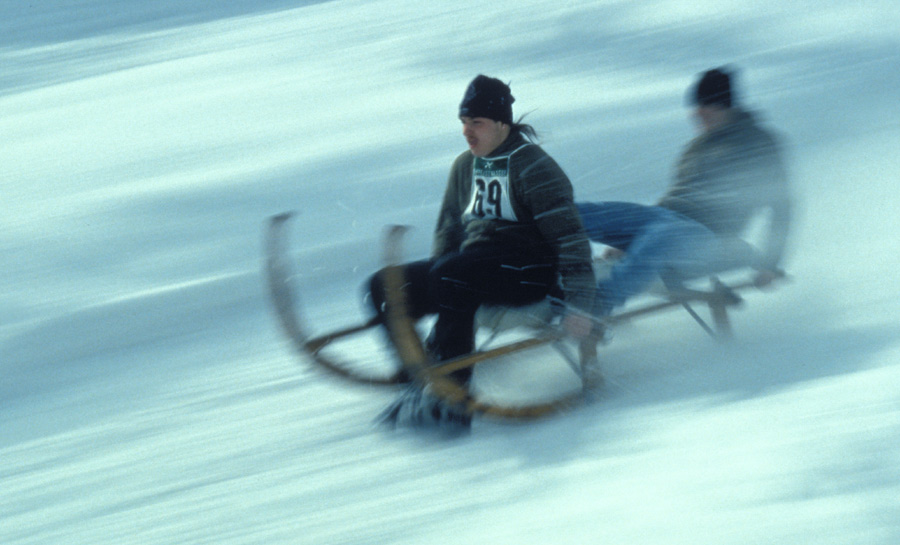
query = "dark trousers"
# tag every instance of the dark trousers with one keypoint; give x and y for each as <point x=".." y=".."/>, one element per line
<point x="455" y="285"/>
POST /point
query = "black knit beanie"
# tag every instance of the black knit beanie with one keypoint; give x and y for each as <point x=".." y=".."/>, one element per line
<point x="714" y="88"/>
<point x="487" y="97"/>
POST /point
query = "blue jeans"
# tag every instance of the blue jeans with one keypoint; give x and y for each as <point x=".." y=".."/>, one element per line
<point x="658" y="243"/>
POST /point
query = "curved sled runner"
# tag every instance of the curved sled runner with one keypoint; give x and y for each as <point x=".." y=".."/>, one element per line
<point x="278" y="274"/>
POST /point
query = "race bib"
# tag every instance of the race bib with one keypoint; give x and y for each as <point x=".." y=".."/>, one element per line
<point x="490" y="190"/>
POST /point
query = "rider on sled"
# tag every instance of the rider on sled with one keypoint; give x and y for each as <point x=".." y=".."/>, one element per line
<point x="729" y="173"/>
<point x="508" y="233"/>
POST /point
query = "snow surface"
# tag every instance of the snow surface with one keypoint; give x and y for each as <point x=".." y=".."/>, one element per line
<point x="148" y="395"/>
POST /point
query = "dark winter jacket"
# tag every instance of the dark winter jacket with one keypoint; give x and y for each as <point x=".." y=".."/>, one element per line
<point x="728" y="175"/>
<point x="537" y="211"/>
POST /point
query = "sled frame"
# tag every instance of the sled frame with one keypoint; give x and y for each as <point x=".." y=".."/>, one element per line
<point x="414" y="362"/>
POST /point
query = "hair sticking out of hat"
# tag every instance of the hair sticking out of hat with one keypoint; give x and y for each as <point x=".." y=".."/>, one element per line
<point x="487" y="97"/>
<point x="714" y="88"/>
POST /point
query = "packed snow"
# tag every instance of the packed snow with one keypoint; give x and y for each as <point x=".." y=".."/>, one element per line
<point x="149" y="396"/>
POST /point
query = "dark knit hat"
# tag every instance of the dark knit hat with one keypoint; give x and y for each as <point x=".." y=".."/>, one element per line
<point x="487" y="97"/>
<point x="714" y="88"/>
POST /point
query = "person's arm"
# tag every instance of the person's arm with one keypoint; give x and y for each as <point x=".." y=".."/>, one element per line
<point x="449" y="231"/>
<point x="779" y="226"/>
<point x="547" y="193"/>
<point x="770" y="185"/>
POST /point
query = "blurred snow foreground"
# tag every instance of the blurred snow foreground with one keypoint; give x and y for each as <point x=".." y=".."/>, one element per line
<point x="149" y="396"/>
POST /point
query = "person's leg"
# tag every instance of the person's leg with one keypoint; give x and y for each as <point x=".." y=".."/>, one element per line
<point x="668" y="242"/>
<point x="462" y="282"/>
<point x="695" y="251"/>
<point x="416" y="289"/>
<point x="456" y="286"/>
<point x="615" y="223"/>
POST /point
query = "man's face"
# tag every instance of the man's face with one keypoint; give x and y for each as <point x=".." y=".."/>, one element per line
<point x="483" y="135"/>
<point x="711" y="117"/>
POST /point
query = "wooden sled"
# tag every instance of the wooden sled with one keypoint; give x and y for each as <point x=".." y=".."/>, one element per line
<point x="414" y="361"/>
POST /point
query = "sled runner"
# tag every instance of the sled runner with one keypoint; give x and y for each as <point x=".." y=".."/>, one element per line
<point x="278" y="273"/>
<point x="537" y="320"/>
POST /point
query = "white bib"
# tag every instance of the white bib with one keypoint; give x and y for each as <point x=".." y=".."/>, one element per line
<point x="491" y="197"/>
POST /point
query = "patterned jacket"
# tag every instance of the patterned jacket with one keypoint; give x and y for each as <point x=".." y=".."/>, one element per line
<point x="518" y="196"/>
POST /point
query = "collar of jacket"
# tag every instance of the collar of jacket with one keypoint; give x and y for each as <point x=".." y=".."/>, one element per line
<point x="514" y="141"/>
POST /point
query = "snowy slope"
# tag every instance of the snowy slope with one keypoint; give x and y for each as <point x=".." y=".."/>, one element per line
<point x="148" y="395"/>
